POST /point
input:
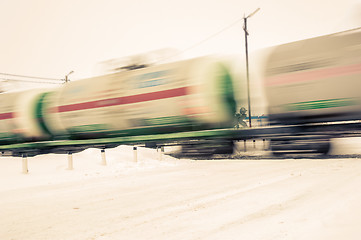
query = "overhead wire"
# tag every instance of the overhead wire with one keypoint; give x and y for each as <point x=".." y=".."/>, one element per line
<point x="33" y="77"/>
<point x="29" y="81"/>
<point x="161" y="60"/>
<point x="203" y="41"/>
<point x="212" y="36"/>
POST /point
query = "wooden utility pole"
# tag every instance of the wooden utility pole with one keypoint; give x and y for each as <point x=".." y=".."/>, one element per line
<point x="66" y="77"/>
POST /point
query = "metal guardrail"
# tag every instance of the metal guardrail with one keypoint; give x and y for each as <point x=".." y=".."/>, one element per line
<point x="294" y="132"/>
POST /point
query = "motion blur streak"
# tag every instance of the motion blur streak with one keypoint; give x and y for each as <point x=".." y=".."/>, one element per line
<point x="6" y="115"/>
<point x="125" y="100"/>
<point x="314" y="75"/>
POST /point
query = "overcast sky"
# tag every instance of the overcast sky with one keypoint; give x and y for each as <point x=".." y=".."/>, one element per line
<point x="49" y="38"/>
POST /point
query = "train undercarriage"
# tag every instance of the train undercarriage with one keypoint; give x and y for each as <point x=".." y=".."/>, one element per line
<point x="297" y="139"/>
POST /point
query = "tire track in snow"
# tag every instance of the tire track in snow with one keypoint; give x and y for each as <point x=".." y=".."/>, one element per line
<point x="164" y="213"/>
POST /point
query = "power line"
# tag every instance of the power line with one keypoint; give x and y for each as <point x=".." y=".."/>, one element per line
<point x="213" y="35"/>
<point x="204" y="40"/>
<point x="33" y="77"/>
<point x="29" y="81"/>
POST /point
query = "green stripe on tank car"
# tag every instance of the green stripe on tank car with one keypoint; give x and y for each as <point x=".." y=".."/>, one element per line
<point x="226" y="89"/>
<point x="7" y="136"/>
<point x="39" y="113"/>
<point x="90" y="128"/>
<point x="165" y="121"/>
<point x="159" y="125"/>
<point x="329" y="103"/>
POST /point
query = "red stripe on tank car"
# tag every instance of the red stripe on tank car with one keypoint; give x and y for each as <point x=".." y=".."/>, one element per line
<point x="313" y="75"/>
<point x="177" y="92"/>
<point x="4" y="116"/>
<point x="144" y="97"/>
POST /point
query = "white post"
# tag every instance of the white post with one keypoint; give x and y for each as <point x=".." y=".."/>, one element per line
<point x="160" y="152"/>
<point x="70" y="161"/>
<point x="25" y="164"/>
<point x="104" y="161"/>
<point x="135" y="154"/>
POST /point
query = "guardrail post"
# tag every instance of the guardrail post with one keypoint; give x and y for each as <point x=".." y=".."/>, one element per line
<point x="70" y="161"/>
<point x="264" y="143"/>
<point x="160" y="153"/>
<point x="25" y="164"/>
<point x="104" y="160"/>
<point x="245" y="145"/>
<point x="135" y="154"/>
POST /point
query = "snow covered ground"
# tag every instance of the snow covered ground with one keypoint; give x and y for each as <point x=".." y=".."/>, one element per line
<point x="171" y="198"/>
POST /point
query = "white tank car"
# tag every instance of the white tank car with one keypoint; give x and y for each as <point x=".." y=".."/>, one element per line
<point x="188" y="95"/>
<point x="315" y="80"/>
<point x="19" y="113"/>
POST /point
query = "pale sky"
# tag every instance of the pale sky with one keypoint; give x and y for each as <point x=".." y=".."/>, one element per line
<point x="49" y="38"/>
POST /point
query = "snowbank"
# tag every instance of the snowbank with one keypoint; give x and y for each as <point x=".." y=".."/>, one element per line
<point x="52" y="168"/>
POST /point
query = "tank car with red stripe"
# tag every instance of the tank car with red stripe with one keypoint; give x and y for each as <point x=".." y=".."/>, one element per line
<point x="188" y="95"/>
<point x="19" y="117"/>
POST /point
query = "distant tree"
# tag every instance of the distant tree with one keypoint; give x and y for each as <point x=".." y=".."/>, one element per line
<point x="240" y="117"/>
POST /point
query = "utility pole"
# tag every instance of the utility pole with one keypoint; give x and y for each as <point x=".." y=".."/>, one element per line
<point x="247" y="69"/>
<point x="66" y="77"/>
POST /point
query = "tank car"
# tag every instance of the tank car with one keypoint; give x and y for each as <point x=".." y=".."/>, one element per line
<point x="315" y="80"/>
<point x="189" y="95"/>
<point x="19" y="112"/>
<point x="312" y="82"/>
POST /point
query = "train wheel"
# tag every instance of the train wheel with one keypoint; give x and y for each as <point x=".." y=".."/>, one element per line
<point x="324" y="147"/>
<point x="300" y="146"/>
<point x="207" y="148"/>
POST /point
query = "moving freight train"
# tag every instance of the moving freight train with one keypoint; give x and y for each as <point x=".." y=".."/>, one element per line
<point x="184" y="96"/>
<point x="307" y="84"/>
